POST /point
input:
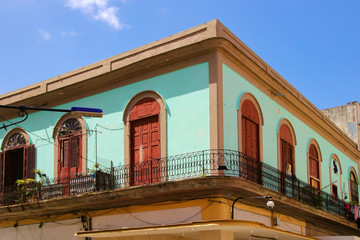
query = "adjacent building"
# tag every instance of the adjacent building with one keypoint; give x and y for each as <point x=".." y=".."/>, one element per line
<point x="347" y="118"/>
<point x="199" y="138"/>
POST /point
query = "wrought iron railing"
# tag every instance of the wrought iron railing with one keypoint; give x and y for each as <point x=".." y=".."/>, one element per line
<point x="183" y="166"/>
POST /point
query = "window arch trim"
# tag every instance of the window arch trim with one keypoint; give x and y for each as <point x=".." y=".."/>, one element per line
<point x="314" y="143"/>
<point x="334" y="157"/>
<point x="56" y="136"/>
<point x="287" y="123"/>
<point x="11" y="133"/>
<point x="250" y="97"/>
<point x="353" y="171"/>
<point x="162" y="118"/>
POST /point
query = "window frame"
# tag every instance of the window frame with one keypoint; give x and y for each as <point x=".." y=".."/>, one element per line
<point x="353" y="171"/>
<point x="28" y="158"/>
<point x="250" y="97"/>
<point x="334" y="158"/>
<point x="83" y="147"/>
<point x="163" y="125"/>
<point x="311" y="178"/>
<point x="287" y="123"/>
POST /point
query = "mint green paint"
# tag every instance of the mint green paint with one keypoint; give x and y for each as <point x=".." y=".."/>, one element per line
<point x="185" y="93"/>
<point x="234" y="86"/>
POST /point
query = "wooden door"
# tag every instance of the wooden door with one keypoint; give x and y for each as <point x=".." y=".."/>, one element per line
<point x="2" y="161"/>
<point x="70" y="159"/>
<point x="287" y="165"/>
<point x="69" y="163"/>
<point x="314" y="163"/>
<point x="145" y="150"/>
<point x="29" y="162"/>
<point x="250" y="139"/>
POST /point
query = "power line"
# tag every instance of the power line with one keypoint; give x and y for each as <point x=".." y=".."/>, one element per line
<point x="49" y="141"/>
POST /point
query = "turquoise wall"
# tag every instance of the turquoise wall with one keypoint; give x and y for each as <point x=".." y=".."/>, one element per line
<point x="186" y="96"/>
<point x="234" y="86"/>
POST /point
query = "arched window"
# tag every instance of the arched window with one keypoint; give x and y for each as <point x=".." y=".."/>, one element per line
<point x="250" y="123"/>
<point x="250" y="130"/>
<point x="286" y="148"/>
<point x="17" y="159"/>
<point x="145" y="137"/>
<point x="314" y="160"/>
<point x="70" y="135"/>
<point x="70" y="148"/>
<point x="354" y="192"/>
<point x="335" y="176"/>
<point x="287" y="143"/>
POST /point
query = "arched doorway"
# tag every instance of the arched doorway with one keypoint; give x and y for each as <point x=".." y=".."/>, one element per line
<point x="314" y="160"/>
<point x="354" y="192"/>
<point x="17" y="159"/>
<point x="69" y="145"/>
<point x="69" y="153"/>
<point x="251" y="167"/>
<point x="287" y="157"/>
<point x="145" y="142"/>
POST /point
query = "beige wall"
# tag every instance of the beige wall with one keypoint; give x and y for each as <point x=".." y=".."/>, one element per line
<point x="65" y="230"/>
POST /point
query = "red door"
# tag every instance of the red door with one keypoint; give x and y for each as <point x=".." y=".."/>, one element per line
<point x="69" y="164"/>
<point x="251" y="167"/>
<point x="145" y="150"/>
<point x="250" y="138"/>
<point x="287" y="165"/>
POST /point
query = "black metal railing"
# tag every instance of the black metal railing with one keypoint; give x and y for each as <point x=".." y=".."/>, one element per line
<point x="183" y="166"/>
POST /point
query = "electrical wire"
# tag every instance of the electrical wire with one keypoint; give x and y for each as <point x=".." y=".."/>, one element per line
<point x="51" y="142"/>
<point x="182" y="221"/>
<point x="111" y="128"/>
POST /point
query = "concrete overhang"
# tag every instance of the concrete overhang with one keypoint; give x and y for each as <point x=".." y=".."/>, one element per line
<point x="202" y="187"/>
<point x="242" y="230"/>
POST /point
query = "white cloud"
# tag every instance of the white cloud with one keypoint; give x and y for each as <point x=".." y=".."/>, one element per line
<point x="70" y="33"/>
<point x="98" y="10"/>
<point x="44" y="34"/>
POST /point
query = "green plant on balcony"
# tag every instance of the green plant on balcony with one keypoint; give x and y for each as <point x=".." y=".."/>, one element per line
<point x="317" y="201"/>
<point x="42" y="177"/>
<point x="28" y="189"/>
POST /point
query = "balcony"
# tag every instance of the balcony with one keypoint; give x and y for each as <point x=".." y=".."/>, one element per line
<point x="223" y="163"/>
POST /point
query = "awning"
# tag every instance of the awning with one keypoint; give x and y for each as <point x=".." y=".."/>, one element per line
<point x="243" y="230"/>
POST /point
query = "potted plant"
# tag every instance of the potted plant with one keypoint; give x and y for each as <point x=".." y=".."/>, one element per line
<point x="28" y="189"/>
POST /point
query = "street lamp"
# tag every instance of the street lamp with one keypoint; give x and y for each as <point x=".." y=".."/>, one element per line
<point x="270" y="203"/>
<point x="77" y="111"/>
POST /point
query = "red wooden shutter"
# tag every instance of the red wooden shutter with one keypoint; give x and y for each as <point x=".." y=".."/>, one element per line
<point x="283" y="156"/>
<point x="250" y="138"/>
<point x="250" y="129"/>
<point x="287" y="156"/>
<point x="2" y="160"/>
<point x="65" y="152"/>
<point x="249" y="111"/>
<point x="74" y="151"/>
<point x="291" y="159"/>
<point x="29" y="161"/>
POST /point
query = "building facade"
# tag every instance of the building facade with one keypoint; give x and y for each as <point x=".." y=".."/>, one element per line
<point x="347" y="118"/>
<point x="197" y="135"/>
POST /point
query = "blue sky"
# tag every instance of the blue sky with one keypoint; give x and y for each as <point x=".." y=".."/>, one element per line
<point x="313" y="44"/>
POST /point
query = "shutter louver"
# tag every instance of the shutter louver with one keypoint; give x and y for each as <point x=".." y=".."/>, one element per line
<point x="74" y="141"/>
<point x="29" y="162"/>
<point x="2" y="160"/>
